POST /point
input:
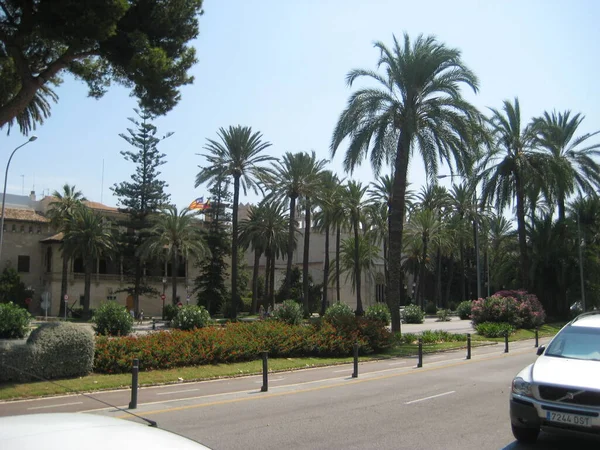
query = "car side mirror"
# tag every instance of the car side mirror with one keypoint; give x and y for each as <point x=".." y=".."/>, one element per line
<point x="541" y="349"/>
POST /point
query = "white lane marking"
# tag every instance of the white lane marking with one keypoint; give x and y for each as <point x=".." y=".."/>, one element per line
<point x="176" y="392"/>
<point x="55" y="406"/>
<point x="429" y="398"/>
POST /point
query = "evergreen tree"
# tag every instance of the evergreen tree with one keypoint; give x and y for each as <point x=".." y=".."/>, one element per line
<point x="210" y="283"/>
<point x="140" y="197"/>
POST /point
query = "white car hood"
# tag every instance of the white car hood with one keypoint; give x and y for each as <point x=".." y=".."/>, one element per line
<point x="566" y="372"/>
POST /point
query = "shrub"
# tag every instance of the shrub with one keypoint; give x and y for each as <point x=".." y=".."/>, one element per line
<point x="170" y="311"/>
<point x="379" y="312"/>
<point x="494" y="329"/>
<point x="413" y="314"/>
<point x="431" y="337"/>
<point x="443" y="315"/>
<point x="112" y="319"/>
<point x="464" y="310"/>
<point x="452" y="306"/>
<point x="523" y="310"/>
<point x="190" y="317"/>
<point x="240" y="341"/>
<point x="53" y="350"/>
<point x="14" y="321"/>
<point x="339" y="314"/>
<point x="289" y="312"/>
<point x="430" y="308"/>
<point x="245" y="304"/>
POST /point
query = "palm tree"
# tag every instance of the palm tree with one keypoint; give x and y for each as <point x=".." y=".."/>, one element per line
<point x="237" y="155"/>
<point x="88" y="235"/>
<point x="297" y="176"/>
<point x="35" y="112"/>
<point x="507" y="168"/>
<point x="368" y="254"/>
<point x="355" y="192"/>
<point x="174" y="235"/>
<point x="265" y="230"/>
<point x="572" y="165"/>
<point x="418" y="97"/>
<point x="60" y="212"/>
<point x="326" y="218"/>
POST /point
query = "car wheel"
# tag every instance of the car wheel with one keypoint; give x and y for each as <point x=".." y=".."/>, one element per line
<point x="525" y="435"/>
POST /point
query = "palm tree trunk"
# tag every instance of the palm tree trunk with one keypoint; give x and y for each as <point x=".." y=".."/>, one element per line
<point x="561" y="207"/>
<point x="463" y="292"/>
<point x="386" y="270"/>
<point x="422" y="274"/>
<point x="397" y="206"/>
<point x="290" y="247"/>
<point x="438" y="278"/>
<point x="338" y="243"/>
<point x="305" y="259"/>
<point x="524" y="260"/>
<point x="358" y="282"/>
<point x="64" y="283"/>
<point x="174" y="270"/>
<point x="273" y="258"/>
<point x="234" y="248"/>
<point x="87" y="287"/>
<point x="267" y="296"/>
<point x="325" y="273"/>
<point x="450" y="276"/>
<point x="254" y="305"/>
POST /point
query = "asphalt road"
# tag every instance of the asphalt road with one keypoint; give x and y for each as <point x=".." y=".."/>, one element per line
<point x="449" y="403"/>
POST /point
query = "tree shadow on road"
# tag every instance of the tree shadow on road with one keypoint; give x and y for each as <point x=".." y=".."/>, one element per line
<point x="548" y="441"/>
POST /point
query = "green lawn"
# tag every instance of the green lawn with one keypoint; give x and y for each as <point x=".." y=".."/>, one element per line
<point x="547" y="330"/>
<point x="96" y="382"/>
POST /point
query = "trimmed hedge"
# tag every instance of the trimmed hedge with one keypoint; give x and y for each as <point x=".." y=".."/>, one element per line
<point x="237" y="342"/>
<point x="53" y="350"/>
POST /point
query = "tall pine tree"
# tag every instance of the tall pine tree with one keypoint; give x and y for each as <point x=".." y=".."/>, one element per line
<point x="210" y="283"/>
<point x="140" y="197"/>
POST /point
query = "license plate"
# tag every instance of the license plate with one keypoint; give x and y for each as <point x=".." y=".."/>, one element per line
<point x="571" y="419"/>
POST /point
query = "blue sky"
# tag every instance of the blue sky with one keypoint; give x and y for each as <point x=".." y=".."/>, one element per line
<point x="280" y="66"/>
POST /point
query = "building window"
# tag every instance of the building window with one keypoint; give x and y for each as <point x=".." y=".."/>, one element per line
<point x="30" y="229"/>
<point x="23" y="264"/>
<point x="39" y="230"/>
<point x="22" y="228"/>
<point x="14" y="228"/>
<point x="380" y="293"/>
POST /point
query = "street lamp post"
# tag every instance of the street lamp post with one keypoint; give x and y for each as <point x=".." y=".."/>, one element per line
<point x="475" y="232"/>
<point x="31" y="139"/>
<point x="164" y="282"/>
<point x="581" y="279"/>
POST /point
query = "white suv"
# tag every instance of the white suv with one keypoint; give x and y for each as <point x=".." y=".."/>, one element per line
<point x="561" y="390"/>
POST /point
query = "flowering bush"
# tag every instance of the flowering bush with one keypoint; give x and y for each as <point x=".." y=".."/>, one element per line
<point x="518" y="308"/>
<point x="290" y="312"/>
<point x="464" y="310"/>
<point x="236" y="342"/>
<point x="339" y="314"/>
<point x="189" y="317"/>
<point x="379" y="311"/>
<point x="413" y="314"/>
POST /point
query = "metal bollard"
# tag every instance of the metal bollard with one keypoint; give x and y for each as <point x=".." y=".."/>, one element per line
<point x="420" y="362"/>
<point x="537" y="341"/>
<point x="134" y="384"/>
<point x="505" y="342"/>
<point x="153" y="323"/>
<point x="468" y="345"/>
<point x="265" y="361"/>
<point x="355" y="373"/>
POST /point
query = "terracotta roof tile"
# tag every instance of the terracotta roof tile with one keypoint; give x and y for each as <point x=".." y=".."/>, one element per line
<point x="56" y="238"/>
<point x="24" y="215"/>
<point x="100" y="206"/>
